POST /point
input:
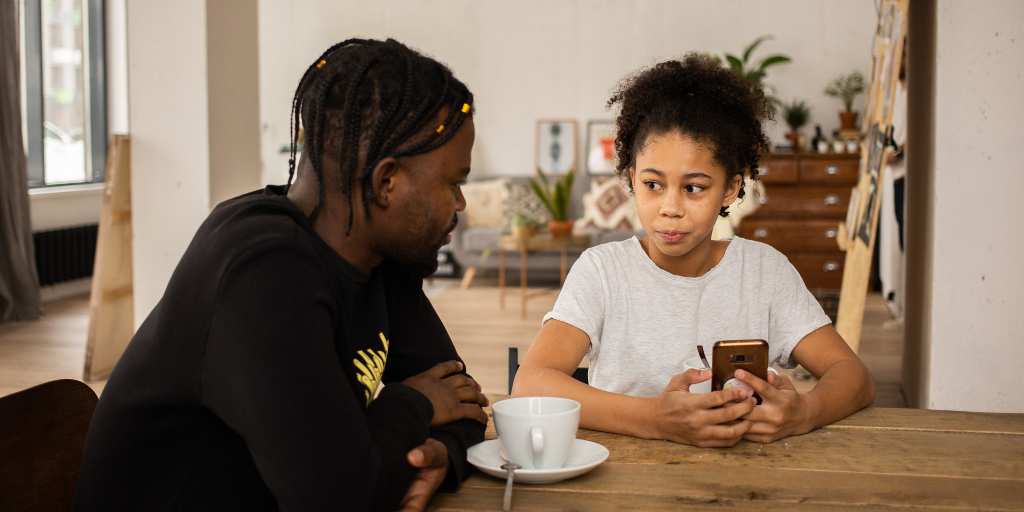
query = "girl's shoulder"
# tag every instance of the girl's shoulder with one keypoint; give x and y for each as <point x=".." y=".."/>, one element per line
<point x="612" y="252"/>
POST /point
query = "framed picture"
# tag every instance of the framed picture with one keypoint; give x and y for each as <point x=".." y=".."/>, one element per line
<point x="866" y="225"/>
<point x="601" y="158"/>
<point x="852" y="212"/>
<point x="556" y="146"/>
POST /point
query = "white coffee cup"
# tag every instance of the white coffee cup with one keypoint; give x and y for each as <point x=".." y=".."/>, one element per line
<point x="537" y="432"/>
<point x="694" y="363"/>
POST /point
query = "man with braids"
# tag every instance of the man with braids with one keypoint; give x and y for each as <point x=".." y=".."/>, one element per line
<point x="687" y="132"/>
<point x="294" y="362"/>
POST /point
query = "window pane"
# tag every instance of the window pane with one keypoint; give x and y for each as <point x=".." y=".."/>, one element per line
<point x="64" y="93"/>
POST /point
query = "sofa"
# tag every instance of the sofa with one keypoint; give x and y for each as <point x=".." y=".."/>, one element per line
<point x="491" y="203"/>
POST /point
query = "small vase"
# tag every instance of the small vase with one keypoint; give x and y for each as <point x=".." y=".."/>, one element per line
<point x="523" y="233"/>
<point x="560" y="228"/>
<point x="794" y="140"/>
<point x="848" y="120"/>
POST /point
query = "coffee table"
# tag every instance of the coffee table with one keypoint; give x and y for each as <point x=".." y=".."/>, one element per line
<point x="537" y="243"/>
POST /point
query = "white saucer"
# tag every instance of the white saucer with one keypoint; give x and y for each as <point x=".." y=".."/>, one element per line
<point x="585" y="455"/>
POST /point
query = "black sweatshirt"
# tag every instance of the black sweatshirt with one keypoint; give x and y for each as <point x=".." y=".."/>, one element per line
<point x="251" y="384"/>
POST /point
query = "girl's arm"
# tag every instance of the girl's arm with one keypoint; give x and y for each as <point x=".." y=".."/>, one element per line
<point x="675" y="414"/>
<point x="844" y="387"/>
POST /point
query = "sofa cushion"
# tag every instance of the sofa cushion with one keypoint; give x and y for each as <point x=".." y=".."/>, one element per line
<point x="480" y="239"/>
<point x="485" y="203"/>
<point x="521" y="200"/>
<point x="608" y="205"/>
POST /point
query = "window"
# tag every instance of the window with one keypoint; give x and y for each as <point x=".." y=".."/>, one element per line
<point x="65" y="91"/>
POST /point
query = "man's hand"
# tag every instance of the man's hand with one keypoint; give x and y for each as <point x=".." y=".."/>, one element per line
<point x="783" y="411"/>
<point x="454" y="395"/>
<point x="431" y="458"/>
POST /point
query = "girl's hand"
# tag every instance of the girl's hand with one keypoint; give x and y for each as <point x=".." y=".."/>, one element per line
<point x="705" y="420"/>
<point x="783" y="411"/>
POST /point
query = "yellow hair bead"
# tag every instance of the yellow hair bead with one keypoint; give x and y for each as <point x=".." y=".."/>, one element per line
<point x="465" y="108"/>
<point x="321" y="64"/>
<point x="440" y="128"/>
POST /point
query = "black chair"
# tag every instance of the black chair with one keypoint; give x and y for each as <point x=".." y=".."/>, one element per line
<point x="513" y="367"/>
<point x="42" y="435"/>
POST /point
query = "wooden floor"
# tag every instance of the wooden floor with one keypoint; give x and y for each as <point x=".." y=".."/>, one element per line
<point x="54" y="347"/>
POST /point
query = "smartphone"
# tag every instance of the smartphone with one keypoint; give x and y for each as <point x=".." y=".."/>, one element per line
<point x="729" y="356"/>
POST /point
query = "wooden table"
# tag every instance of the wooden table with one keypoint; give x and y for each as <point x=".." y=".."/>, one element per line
<point x="878" y="459"/>
<point x="536" y="243"/>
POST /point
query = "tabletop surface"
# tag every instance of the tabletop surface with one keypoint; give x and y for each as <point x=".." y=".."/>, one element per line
<point x="906" y="459"/>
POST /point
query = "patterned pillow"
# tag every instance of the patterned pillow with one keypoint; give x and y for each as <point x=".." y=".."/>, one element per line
<point x="485" y="202"/>
<point x="521" y="200"/>
<point x="608" y="205"/>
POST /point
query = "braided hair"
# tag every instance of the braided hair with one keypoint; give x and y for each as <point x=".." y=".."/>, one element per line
<point x="367" y="100"/>
<point x="699" y="98"/>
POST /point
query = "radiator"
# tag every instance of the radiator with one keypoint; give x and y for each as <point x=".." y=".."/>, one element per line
<point x="65" y="254"/>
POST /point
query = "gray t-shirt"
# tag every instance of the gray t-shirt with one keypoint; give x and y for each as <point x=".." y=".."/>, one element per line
<point x="643" y="322"/>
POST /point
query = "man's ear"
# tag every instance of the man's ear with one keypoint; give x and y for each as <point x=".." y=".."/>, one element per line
<point x="732" y="190"/>
<point x="385" y="179"/>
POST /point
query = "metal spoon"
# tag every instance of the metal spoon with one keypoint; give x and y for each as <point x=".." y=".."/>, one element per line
<point x="511" y="468"/>
<point x="703" y="358"/>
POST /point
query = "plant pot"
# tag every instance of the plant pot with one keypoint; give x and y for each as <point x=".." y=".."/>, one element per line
<point x="523" y="233"/>
<point x="794" y="140"/>
<point x="560" y="228"/>
<point x="848" y="120"/>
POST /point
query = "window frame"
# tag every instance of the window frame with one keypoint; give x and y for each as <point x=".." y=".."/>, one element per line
<point x="94" y="32"/>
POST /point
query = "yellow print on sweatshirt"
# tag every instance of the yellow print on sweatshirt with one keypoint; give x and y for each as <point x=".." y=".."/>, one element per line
<point x="370" y="367"/>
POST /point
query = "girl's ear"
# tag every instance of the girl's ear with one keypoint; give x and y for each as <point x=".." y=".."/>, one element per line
<point x="732" y="190"/>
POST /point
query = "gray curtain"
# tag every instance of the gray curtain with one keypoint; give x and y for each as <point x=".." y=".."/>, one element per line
<point x="19" y="284"/>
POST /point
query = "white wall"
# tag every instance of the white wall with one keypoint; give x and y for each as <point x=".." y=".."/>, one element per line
<point x="192" y="99"/>
<point x="976" y="325"/>
<point x="170" y="157"/>
<point x="534" y="59"/>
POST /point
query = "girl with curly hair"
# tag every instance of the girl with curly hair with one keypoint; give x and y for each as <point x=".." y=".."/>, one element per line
<point x="687" y="133"/>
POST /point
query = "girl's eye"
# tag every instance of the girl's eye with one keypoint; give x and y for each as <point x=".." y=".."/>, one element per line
<point x="695" y="188"/>
<point x="653" y="185"/>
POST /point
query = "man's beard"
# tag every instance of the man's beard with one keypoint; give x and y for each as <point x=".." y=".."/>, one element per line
<point x="421" y="259"/>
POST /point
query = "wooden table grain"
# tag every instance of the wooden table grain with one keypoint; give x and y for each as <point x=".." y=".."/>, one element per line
<point x="877" y="459"/>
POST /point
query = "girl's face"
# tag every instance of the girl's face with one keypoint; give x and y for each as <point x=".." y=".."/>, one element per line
<point x="679" y="190"/>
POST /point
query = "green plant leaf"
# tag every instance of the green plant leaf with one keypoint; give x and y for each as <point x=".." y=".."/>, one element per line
<point x="734" y="64"/>
<point x="753" y="46"/>
<point x="543" y="177"/>
<point x="774" y="60"/>
<point x="559" y="200"/>
<point x="755" y="76"/>
<point x="542" y="194"/>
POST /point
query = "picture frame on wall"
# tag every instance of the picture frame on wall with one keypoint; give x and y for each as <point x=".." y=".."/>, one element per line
<point x="601" y="157"/>
<point x="556" y="146"/>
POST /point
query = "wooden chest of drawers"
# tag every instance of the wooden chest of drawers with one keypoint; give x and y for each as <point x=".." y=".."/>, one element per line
<point x="806" y="197"/>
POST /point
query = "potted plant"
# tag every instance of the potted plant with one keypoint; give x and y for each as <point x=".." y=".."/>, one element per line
<point x="796" y="114"/>
<point x="523" y="227"/>
<point x="744" y="67"/>
<point x="556" y="195"/>
<point x="847" y="88"/>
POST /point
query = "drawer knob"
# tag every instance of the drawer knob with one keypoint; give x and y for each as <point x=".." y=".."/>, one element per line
<point x="832" y="170"/>
<point x="762" y="171"/>
<point x="831" y="200"/>
<point x="760" y="233"/>
<point x="831" y="233"/>
<point x="831" y="266"/>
